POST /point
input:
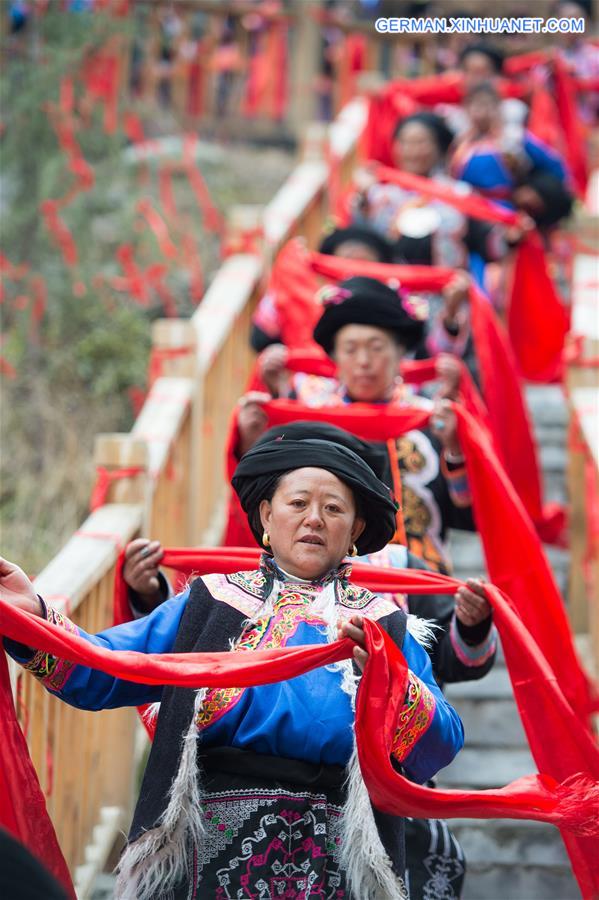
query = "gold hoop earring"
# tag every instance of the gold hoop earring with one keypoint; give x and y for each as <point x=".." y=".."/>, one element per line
<point x="353" y="550"/>
<point x="266" y="539"/>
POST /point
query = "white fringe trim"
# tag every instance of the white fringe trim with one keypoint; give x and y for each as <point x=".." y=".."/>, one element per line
<point x="367" y="866"/>
<point x="157" y="861"/>
<point x="422" y="630"/>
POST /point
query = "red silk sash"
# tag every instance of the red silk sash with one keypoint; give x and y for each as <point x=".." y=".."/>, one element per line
<point x="566" y="795"/>
<point x="537" y="320"/>
<point x="294" y="286"/>
<point x="513" y="552"/>
<point x="471" y="204"/>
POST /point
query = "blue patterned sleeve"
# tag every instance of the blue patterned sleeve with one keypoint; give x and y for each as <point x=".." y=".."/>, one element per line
<point x="429" y="731"/>
<point x="90" y="689"/>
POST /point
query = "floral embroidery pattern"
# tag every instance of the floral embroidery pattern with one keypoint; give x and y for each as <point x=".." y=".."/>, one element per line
<point x="414" y="718"/>
<point x="267" y="633"/>
<point x="51" y="671"/>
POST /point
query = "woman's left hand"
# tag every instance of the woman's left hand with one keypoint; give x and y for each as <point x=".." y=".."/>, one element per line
<point x="354" y="629"/>
<point x="471" y="605"/>
<point x="449" y="372"/>
<point x="444" y="425"/>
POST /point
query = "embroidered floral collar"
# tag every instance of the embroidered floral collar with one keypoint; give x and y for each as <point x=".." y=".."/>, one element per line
<point x="270" y="570"/>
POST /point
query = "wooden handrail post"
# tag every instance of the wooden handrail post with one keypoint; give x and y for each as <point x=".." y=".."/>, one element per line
<point x="114" y="452"/>
<point x="174" y="349"/>
<point x="315" y="142"/>
<point x="245" y="229"/>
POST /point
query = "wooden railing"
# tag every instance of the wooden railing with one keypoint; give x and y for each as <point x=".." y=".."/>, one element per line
<point x="175" y="491"/>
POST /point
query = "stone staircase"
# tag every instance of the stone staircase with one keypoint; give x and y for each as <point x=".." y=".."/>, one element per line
<point x="509" y="859"/>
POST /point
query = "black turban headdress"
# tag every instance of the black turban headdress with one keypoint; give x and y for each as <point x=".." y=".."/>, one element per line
<point x="366" y="301"/>
<point x="374" y="455"/>
<point x="442" y="134"/>
<point x="493" y="54"/>
<point x="260" y="468"/>
<point x="362" y="235"/>
<point x="556" y="197"/>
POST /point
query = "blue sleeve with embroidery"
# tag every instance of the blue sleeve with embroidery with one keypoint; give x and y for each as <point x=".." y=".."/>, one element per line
<point x="429" y="731"/>
<point x="90" y="689"/>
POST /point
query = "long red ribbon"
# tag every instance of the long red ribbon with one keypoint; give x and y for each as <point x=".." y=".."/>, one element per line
<point x="567" y="796"/>
<point x="294" y="286"/>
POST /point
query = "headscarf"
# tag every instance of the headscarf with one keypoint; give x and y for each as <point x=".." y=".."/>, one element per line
<point x="492" y="53"/>
<point x="367" y="301"/>
<point x="260" y="469"/>
<point x="362" y="235"/>
<point x="556" y="197"/>
<point x="442" y="134"/>
<point x="373" y="454"/>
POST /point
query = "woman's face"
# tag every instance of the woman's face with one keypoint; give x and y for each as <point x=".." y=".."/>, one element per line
<point x="415" y="149"/>
<point x="477" y="68"/>
<point x="367" y="362"/>
<point x="484" y="112"/>
<point x="311" y="521"/>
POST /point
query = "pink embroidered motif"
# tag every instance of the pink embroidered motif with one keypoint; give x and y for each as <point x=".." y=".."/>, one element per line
<point x="472" y="656"/>
<point x="414" y="718"/>
<point x="51" y="671"/>
<point x="332" y="295"/>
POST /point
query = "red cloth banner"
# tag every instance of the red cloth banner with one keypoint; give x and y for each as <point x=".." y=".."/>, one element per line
<point x="23" y="809"/>
<point x="537" y="319"/>
<point x="566" y="794"/>
<point x="514" y="555"/>
<point x="565" y="96"/>
<point x="294" y="286"/>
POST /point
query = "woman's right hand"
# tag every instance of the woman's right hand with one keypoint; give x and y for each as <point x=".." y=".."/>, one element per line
<point x="272" y="364"/>
<point x="140" y="570"/>
<point x="251" y="419"/>
<point x="17" y="589"/>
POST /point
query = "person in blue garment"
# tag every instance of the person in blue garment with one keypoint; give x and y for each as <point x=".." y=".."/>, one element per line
<point x="258" y="791"/>
<point x="493" y="156"/>
<point x="463" y="647"/>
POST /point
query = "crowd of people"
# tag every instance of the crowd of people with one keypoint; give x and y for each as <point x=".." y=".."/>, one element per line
<point x="257" y="791"/>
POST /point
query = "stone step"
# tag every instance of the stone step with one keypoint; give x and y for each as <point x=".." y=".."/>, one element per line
<point x="547" y="405"/>
<point x="514" y="859"/>
<point x="494" y="686"/>
<point x="520" y="883"/>
<point x="483" y="767"/>
<point x="490" y="723"/>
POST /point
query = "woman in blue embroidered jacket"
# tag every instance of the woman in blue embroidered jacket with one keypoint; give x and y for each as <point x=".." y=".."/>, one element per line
<point x="273" y="816"/>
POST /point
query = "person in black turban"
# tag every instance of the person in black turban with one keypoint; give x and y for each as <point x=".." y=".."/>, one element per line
<point x="369" y="302"/>
<point x="374" y="455"/>
<point x="544" y="197"/>
<point x="441" y="134"/>
<point x="357" y="242"/>
<point x="370" y="525"/>
<point x="354" y="242"/>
